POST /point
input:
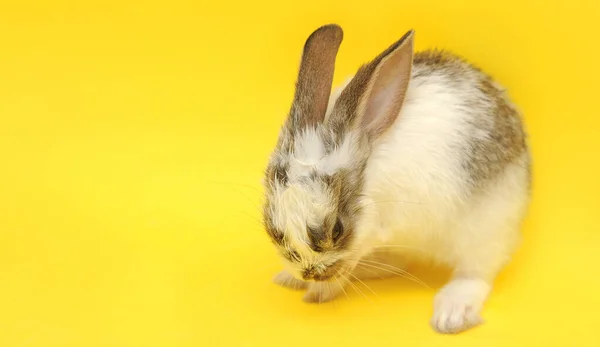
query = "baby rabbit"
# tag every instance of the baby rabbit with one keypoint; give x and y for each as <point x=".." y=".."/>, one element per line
<point x="418" y="156"/>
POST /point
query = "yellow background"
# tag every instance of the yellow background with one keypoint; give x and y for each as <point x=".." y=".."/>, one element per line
<point x="133" y="135"/>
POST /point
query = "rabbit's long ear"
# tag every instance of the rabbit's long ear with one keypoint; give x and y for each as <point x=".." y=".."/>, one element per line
<point x="372" y="100"/>
<point x="315" y="77"/>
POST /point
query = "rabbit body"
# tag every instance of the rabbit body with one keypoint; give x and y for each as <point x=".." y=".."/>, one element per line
<point x="417" y="157"/>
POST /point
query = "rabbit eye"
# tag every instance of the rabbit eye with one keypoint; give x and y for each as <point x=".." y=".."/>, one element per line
<point x="338" y="229"/>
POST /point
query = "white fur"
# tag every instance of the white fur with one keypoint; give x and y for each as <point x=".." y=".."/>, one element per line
<point x="309" y="155"/>
<point x="417" y="196"/>
<point x="304" y="202"/>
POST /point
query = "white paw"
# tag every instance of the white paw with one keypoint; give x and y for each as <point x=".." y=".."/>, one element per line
<point x="458" y="305"/>
<point x="285" y="279"/>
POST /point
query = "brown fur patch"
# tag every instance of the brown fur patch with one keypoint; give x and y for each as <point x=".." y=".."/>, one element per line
<point x="487" y="157"/>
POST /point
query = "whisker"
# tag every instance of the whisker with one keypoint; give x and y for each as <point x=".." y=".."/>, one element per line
<point x="415" y="278"/>
<point x="354" y="286"/>
<point x="363" y="283"/>
<point x="371" y="271"/>
<point x="333" y="301"/>
<point x="357" y="288"/>
<point x="403" y="275"/>
<point x="396" y="271"/>
<point x="342" y="287"/>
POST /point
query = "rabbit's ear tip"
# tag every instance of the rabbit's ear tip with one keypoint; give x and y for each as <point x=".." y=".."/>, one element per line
<point x="409" y="35"/>
<point x="334" y="31"/>
<point x="331" y="26"/>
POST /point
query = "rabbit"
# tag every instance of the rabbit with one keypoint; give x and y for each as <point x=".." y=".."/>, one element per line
<point x="418" y="156"/>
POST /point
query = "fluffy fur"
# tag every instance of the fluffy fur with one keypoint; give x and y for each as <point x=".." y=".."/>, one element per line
<point x="447" y="178"/>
